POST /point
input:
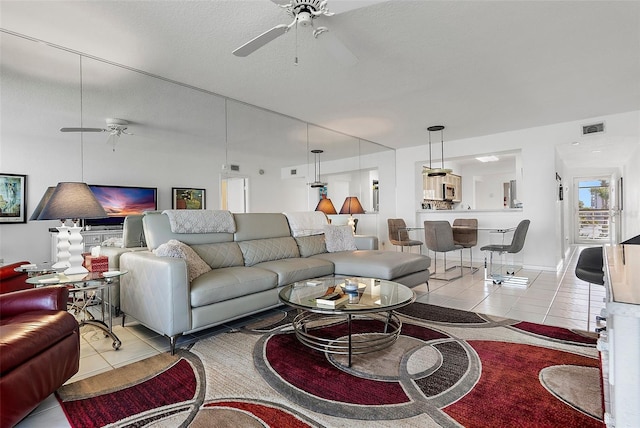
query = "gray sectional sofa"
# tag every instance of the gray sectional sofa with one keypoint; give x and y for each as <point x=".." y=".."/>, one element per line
<point x="249" y="267"/>
<point x="133" y="240"/>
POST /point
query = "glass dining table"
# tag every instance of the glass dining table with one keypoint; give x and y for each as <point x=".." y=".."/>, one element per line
<point x="501" y="231"/>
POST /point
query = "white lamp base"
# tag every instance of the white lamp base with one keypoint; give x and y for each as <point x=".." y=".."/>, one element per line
<point x="62" y="257"/>
<point x="75" y="249"/>
<point x="352" y="223"/>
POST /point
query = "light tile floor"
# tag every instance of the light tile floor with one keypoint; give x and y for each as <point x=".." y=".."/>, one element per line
<point x="558" y="299"/>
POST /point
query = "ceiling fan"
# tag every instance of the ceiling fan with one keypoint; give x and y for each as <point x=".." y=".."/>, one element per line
<point x="115" y="128"/>
<point x="303" y="12"/>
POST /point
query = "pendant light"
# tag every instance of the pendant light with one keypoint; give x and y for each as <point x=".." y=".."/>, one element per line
<point x="317" y="183"/>
<point x="436" y="172"/>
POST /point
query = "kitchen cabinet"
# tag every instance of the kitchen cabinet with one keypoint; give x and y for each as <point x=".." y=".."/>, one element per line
<point x="441" y="188"/>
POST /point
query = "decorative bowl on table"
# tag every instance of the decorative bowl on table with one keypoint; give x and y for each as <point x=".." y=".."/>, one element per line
<point x="350" y="286"/>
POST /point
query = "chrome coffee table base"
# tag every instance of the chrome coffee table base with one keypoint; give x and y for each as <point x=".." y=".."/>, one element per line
<point x="308" y="327"/>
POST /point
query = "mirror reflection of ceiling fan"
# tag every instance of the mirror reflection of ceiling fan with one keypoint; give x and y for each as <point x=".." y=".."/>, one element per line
<point x="115" y="128"/>
<point x="304" y="13"/>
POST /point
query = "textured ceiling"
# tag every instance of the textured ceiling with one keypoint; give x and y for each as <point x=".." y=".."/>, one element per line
<point x="478" y="67"/>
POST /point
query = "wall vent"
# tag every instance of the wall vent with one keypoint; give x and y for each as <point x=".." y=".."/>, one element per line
<point x="294" y="171"/>
<point x="594" y="128"/>
<point x="235" y="168"/>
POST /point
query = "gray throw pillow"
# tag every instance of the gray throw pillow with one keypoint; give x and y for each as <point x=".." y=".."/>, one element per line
<point x="311" y="245"/>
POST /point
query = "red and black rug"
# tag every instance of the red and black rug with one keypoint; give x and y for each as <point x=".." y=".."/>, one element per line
<point x="448" y="368"/>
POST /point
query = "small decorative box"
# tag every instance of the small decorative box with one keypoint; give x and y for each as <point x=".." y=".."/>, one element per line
<point x="96" y="264"/>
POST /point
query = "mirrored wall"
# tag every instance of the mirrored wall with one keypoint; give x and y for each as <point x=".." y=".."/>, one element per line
<point x="182" y="137"/>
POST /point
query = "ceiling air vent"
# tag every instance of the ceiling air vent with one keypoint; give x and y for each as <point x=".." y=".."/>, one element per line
<point x="593" y="128"/>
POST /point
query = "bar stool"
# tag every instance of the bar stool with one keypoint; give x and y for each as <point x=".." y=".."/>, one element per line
<point x="590" y="268"/>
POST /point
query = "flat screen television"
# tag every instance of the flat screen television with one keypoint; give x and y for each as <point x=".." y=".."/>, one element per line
<point x="121" y="201"/>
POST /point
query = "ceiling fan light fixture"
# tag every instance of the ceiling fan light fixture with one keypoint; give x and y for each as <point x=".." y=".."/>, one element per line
<point x="304" y="19"/>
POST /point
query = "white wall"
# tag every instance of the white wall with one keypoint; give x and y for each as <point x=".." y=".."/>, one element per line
<point x="491" y="174"/>
<point x="489" y="191"/>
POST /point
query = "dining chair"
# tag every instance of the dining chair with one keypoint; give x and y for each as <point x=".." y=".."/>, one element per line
<point x="516" y="245"/>
<point x="465" y="233"/>
<point x="399" y="236"/>
<point x="438" y="237"/>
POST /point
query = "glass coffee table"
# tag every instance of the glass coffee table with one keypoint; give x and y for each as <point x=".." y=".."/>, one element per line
<point x="366" y="299"/>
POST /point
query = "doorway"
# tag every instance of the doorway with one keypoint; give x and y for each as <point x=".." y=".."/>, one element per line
<point x="234" y="194"/>
<point x="593" y="219"/>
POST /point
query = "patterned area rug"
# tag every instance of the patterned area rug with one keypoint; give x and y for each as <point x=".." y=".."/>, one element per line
<point x="448" y="368"/>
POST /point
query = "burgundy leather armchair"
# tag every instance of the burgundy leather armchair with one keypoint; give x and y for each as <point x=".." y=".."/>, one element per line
<point x="10" y="280"/>
<point x="39" y="349"/>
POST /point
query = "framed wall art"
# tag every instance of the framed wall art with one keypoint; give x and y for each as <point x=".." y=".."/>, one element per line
<point x="188" y="198"/>
<point x="13" y="192"/>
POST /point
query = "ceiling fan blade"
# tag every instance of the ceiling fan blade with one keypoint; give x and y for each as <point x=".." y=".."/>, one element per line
<point x="82" y="130"/>
<point x="258" y="42"/>
<point x="337" y="49"/>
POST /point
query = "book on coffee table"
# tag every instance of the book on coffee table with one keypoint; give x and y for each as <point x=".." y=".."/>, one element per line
<point x="331" y="300"/>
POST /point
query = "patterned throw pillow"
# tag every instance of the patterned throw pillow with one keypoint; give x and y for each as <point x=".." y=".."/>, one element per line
<point x="339" y="238"/>
<point x="195" y="265"/>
